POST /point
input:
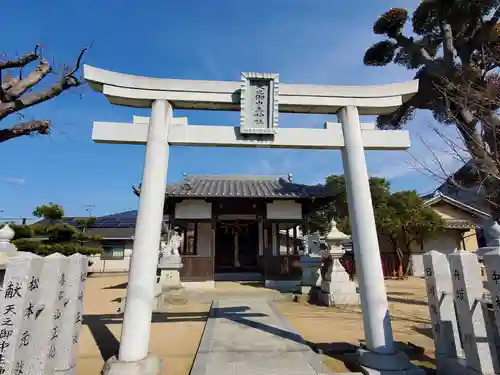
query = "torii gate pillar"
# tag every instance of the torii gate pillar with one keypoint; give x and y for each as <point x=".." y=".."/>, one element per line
<point x="142" y="273"/>
<point x="162" y="130"/>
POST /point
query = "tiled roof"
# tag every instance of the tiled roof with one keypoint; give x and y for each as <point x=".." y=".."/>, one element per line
<point x="205" y="186"/>
<point x="473" y="210"/>
<point x="471" y="192"/>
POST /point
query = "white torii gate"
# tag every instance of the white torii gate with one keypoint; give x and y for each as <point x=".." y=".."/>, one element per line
<point x="259" y="98"/>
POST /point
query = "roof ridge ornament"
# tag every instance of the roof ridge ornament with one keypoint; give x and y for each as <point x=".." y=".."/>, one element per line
<point x="186" y="185"/>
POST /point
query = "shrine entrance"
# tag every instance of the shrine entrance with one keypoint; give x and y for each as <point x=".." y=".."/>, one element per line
<point x="236" y="246"/>
<point x="259" y="97"/>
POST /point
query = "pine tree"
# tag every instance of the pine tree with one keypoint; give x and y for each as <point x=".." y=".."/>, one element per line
<point x="455" y="51"/>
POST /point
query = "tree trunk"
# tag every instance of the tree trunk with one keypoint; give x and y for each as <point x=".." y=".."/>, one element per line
<point x="483" y="149"/>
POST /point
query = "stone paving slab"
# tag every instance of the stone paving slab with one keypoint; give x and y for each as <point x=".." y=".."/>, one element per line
<point x="250" y="337"/>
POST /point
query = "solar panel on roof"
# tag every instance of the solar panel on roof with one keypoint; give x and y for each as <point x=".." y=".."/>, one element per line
<point x="129" y="214"/>
<point x="127" y="218"/>
<point x="125" y="225"/>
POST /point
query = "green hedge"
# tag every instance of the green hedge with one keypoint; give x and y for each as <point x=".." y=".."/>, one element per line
<point x="66" y="248"/>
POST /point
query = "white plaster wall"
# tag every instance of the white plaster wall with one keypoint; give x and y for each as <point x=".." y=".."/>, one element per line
<point x="122" y="265"/>
<point x="193" y="209"/>
<point x="284" y="210"/>
<point x="204" y="247"/>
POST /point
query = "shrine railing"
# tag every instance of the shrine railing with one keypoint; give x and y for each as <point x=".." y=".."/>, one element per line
<point x="196" y="268"/>
<point x="390" y="263"/>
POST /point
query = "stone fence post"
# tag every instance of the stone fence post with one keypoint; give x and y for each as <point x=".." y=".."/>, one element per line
<point x="442" y="309"/>
<point x="38" y="296"/>
<point x="464" y="334"/>
<point x="472" y="315"/>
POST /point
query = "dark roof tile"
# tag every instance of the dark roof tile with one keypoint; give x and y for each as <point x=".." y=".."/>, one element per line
<point x="244" y="187"/>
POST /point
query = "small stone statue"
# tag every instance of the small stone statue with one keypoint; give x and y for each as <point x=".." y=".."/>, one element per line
<point x="175" y="243"/>
<point x="312" y="243"/>
<point x="172" y="246"/>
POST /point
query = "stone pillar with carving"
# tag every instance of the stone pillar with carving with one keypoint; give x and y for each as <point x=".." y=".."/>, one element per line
<point x="170" y="263"/>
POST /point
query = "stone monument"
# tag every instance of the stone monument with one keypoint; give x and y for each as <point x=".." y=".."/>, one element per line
<point x="311" y="264"/>
<point x="170" y="262"/>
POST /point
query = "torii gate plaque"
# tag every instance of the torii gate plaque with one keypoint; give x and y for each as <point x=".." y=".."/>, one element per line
<point x="259" y="103"/>
<point x="259" y="99"/>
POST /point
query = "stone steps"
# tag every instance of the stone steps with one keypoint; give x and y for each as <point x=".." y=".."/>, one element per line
<point x="186" y="296"/>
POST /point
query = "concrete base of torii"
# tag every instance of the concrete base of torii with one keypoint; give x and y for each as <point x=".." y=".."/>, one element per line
<point x="151" y="365"/>
<point x="372" y="363"/>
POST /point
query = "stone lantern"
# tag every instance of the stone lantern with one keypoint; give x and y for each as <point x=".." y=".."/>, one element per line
<point x="335" y="240"/>
<point x="491" y="230"/>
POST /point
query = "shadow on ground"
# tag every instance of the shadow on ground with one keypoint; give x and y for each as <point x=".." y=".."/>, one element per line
<point x="117" y="286"/>
<point x="406" y="300"/>
<point x="400" y="293"/>
<point x="424" y="331"/>
<point x="108" y="344"/>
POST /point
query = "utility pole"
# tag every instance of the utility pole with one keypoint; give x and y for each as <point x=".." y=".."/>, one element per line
<point x="89" y="208"/>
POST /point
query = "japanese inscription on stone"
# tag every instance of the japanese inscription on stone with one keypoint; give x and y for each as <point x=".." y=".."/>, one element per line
<point x="67" y="339"/>
<point x="31" y="312"/>
<point x="260" y="94"/>
<point x="46" y="331"/>
<point x="441" y="305"/>
<point x="16" y="303"/>
<point x="492" y="265"/>
<point x="468" y="289"/>
<point x="259" y="103"/>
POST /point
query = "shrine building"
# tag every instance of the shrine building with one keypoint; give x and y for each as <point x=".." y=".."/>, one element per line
<point x="240" y="227"/>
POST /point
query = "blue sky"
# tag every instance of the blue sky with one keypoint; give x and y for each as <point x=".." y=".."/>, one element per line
<point x="314" y="41"/>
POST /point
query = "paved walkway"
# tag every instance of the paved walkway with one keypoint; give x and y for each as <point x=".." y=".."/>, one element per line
<point x="248" y="336"/>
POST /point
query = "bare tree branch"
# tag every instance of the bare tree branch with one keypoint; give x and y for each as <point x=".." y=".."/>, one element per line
<point x="21" y="61"/>
<point x="67" y="81"/>
<point x="19" y="87"/>
<point x="448" y="48"/>
<point x="78" y="63"/>
<point x="8" y="81"/>
<point x="34" y="98"/>
<point x="410" y="46"/>
<point x="25" y="128"/>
